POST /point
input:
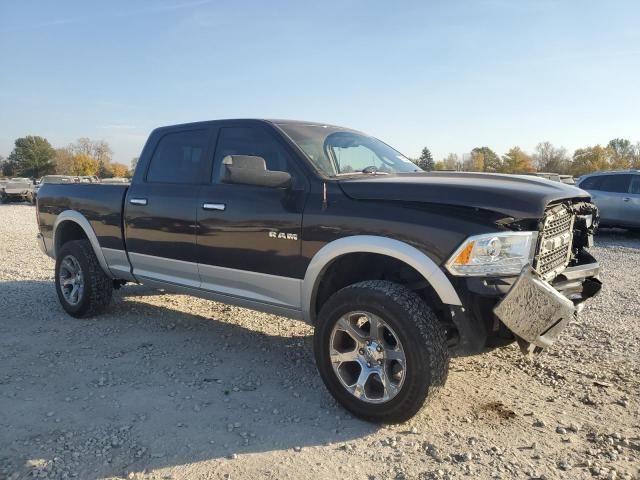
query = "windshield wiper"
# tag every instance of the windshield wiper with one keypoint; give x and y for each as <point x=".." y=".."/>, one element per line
<point x="345" y="174"/>
<point x="367" y="171"/>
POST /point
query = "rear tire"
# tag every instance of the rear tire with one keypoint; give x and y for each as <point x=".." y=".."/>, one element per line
<point x="408" y="323"/>
<point x="82" y="286"/>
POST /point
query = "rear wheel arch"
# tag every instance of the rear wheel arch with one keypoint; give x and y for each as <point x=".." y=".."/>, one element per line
<point x="67" y="231"/>
<point x="72" y="225"/>
<point x="392" y="250"/>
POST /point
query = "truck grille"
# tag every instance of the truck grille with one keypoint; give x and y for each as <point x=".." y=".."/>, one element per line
<point x="556" y="239"/>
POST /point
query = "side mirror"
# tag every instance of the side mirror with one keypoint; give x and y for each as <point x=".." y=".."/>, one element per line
<point x="252" y="170"/>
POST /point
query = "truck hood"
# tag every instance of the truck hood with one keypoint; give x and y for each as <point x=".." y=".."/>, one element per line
<point x="518" y="196"/>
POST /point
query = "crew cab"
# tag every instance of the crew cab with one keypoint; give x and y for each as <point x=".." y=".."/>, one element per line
<point x="397" y="269"/>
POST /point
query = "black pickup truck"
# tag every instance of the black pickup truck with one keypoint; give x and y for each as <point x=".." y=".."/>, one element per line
<point x="397" y="269"/>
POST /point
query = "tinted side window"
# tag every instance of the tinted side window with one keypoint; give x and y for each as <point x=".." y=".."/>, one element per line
<point x="635" y="184"/>
<point x="250" y="141"/>
<point x="615" y="183"/>
<point x="179" y="157"/>
<point x="591" y="183"/>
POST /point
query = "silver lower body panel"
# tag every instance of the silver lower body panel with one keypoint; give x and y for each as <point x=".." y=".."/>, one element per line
<point x="258" y="291"/>
<point x="118" y="264"/>
<point x="244" y="302"/>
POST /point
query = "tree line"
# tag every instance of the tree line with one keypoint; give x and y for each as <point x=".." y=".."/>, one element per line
<point x="618" y="154"/>
<point x="34" y="157"/>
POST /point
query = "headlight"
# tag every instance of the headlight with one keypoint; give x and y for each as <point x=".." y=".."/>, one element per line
<point x="493" y="254"/>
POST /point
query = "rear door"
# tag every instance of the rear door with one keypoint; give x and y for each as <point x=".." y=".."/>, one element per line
<point x="249" y="237"/>
<point x="160" y="208"/>
<point x="631" y="203"/>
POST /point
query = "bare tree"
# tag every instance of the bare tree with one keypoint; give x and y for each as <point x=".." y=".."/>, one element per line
<point x="551" y="159"/>
<point x="451" y="162"/>
<point x="98" y="150"/>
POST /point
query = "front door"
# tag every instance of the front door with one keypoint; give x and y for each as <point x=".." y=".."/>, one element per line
<point x="160" y="210"/>
<point x="249" y="237"/>
<point x="608" y="194"/>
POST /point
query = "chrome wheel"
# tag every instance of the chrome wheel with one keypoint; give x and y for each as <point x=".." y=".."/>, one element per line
<point x="367" y="357"/>
<point x="71" y="280"/>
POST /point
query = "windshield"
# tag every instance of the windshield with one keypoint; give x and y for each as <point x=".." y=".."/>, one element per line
<point x="335" y="151"/>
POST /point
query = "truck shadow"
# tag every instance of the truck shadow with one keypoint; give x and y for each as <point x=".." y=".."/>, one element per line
<point x="149" y="384"/>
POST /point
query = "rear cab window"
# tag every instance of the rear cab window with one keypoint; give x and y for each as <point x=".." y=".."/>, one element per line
<point x="179" y="157"/>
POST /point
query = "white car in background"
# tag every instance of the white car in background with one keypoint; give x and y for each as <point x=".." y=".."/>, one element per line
<point x="20" y="189"/>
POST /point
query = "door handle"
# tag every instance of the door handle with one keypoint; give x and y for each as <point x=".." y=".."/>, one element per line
<point x="138" y="201"/>
<point x="626" y="199"/>
<point x="220" y="207"/>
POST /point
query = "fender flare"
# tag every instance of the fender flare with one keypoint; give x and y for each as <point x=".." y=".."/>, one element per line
<point x="80" y="220"/>
<point x="402" y="251"/>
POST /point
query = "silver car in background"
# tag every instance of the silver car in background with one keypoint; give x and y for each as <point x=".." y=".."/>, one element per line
<point x="617" y="195"/>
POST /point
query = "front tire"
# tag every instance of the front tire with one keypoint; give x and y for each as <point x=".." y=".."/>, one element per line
<point x="82" y="286"/>
<point x="380" y="350"/>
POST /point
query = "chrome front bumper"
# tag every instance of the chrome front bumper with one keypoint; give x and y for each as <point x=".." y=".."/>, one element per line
<point x="535" y="311"/>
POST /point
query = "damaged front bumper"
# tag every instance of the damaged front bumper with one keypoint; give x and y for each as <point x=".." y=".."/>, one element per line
<point x="536" y="312"/>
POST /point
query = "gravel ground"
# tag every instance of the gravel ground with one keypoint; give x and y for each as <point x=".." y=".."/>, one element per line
<point x="167" y="386"/>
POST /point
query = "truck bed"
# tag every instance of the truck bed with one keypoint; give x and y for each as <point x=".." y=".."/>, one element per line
<point x="100" y="204"/>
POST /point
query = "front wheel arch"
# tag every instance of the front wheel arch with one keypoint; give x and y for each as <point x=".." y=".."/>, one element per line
<point x="402" y="252"/>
